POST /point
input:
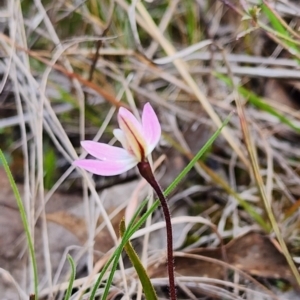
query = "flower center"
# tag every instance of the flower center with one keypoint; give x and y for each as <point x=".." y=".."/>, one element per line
<point x="135" y="142"/>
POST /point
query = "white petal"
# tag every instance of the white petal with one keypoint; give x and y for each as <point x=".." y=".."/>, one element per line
<point x="120" y="136"/>
<point x="105" y="168"/>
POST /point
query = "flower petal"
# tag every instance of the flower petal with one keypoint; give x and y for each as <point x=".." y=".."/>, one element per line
<point x="133" y="133"/>
<point x="130" y="119"/>
<point x="105" y="152"/>
<point x="120" y="136"/>
<point x="151" y="127"/>
<point x="105" y="168"/>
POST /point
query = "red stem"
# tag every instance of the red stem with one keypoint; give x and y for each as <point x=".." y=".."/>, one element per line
<point x="146" y="172"/>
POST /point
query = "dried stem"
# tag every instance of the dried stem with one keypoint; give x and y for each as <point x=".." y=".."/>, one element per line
<point x="146" y="172"/>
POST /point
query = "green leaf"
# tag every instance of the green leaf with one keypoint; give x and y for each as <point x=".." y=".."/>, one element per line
<point x="49" y="167"/>
<point x="144" y="278"/>
<point x="259" y="103"/>
<point x="24" y="221"/>
<point x="278" y="27"/>
<point x="72" y="278"/>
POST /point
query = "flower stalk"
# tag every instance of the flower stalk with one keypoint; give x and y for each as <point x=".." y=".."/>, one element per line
<point x="146" y="172"/>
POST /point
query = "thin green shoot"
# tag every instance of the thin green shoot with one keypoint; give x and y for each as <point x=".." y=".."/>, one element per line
<point x="24" y="221"/>
<point x="260" y="103"/>
<point x="72" y="278"/>
<point x="148" y="288"/>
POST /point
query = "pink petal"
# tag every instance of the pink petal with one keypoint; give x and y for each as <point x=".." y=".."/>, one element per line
<point x="105" y="152"/>
<point x="105" y="168"/>
<point x="151" y="127"/>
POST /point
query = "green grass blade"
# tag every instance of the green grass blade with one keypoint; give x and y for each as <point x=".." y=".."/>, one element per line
<point x="24" y="221"/>
<point x="249" y="208"/>
<point x="259" y="103"/>
<point x="49" y="167"/>
<point x="148" y="288"/>
<point x="72" y="278"/>
<point x="191" y="164"/>
<point x="278" y="27"/>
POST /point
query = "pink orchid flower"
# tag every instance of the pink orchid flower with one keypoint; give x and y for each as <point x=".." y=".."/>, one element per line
<point x="138" y="141"/>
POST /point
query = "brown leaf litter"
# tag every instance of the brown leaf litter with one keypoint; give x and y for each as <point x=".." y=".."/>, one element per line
<point x="253" y="253"/>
